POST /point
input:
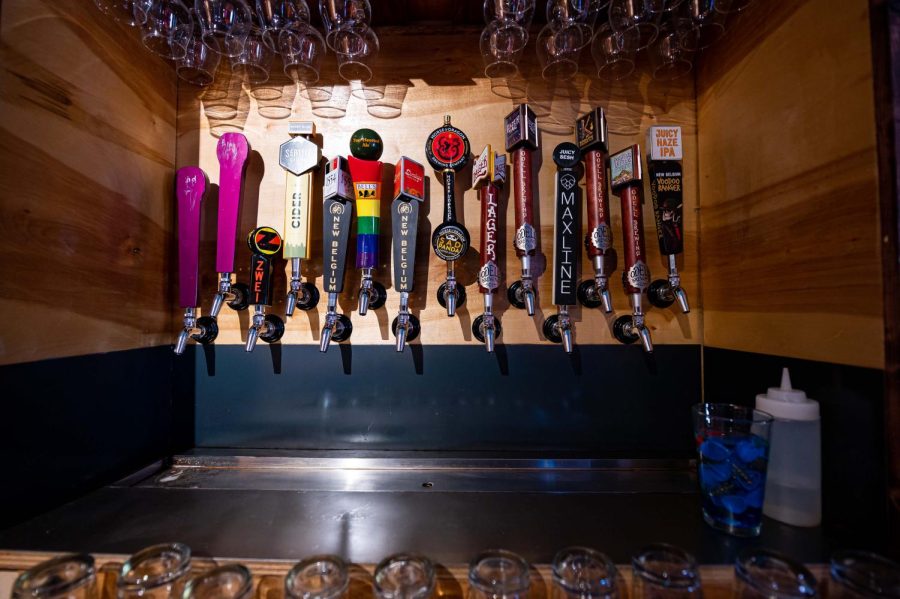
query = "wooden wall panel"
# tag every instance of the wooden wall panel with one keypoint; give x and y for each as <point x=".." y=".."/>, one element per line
<point x="87" y="150"/>
<point x="428" y="76"/>
<point x="789" y="210"/>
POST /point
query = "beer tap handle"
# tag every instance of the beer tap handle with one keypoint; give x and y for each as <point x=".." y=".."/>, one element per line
<point x="265" y="243"/>
<point x="337" y="214"/>
<point x="626" y="175"/>
<point x="190" y="188"/>
<point x="366" y="147"/>
<point x="567" y="228"/>
<point x="593" y="140"/>
<point x="521" y="141"/>
<point x="488" y="174"/>
<point x="409" y="187"/>
<point x="664" y="168"/>
<point x="232" y="151"/>
<point x="447" y="150"/>
<point x="299" y="157"/>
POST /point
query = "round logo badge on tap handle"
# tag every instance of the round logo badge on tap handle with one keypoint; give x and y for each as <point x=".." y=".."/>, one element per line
<point x="447" y="150"/>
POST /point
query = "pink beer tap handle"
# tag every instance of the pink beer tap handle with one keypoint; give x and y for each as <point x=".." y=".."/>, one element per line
<point x="190" y="187"/>
<point x="232" y="152"/>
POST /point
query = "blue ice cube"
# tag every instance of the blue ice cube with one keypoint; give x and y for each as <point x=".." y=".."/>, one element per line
<point x="735" y="504"/>
<point x="749" y="451"/>
<point x="714" y="450"/>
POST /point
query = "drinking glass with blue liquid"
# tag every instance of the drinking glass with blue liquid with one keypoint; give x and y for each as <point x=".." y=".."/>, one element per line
<point x="733" y="454"/>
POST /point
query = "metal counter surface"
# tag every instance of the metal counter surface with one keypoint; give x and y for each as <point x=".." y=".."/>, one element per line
<point x="270" y="507"/>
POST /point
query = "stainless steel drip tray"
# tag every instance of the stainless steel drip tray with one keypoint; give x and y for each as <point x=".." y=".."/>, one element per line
<point x="416" y="474"/>
<point x="283" y="506"/>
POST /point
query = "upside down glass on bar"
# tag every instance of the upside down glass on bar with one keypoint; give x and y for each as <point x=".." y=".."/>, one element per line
<point x="764" y="574"/>
<point x="733" y="450"/>
<point x="317" y="577"/>
<point x="663" y="571"/>
<point x="225" y="582"/>
<point x="157" y="572"/>
<point x="498" y="574"/>
<point x="65" y="577"/>
<point x="404" y="576"/>
<point x="863" y="575"/>
<point x="583" y="573"/>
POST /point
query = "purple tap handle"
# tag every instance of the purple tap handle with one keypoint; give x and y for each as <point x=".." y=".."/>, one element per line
<point x="232" y="151"/>
<point x="190" y="187"/>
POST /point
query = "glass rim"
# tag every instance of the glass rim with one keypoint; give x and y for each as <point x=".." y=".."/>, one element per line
<point x="839" y="570"/>
<point x="352" y="65"/>
<point x="340" y="564"/>
<point x="198" y="73"/>
<point x="87" y="561"/>
<point x="598" y="556"/>
<point x="479" y="583"/>
<point x="239" y="569"/>
<point x="611" y="67"/>
<point x="182" y="551"/>
<point x="756" y="416"/>
<point x="424" y="562"/>
<point x="152" y="37"/>
<point x="559" y="68"/>
<point x="491" y="68"/>
<point x="805" y="578"/>
<point x="681" y="580"/>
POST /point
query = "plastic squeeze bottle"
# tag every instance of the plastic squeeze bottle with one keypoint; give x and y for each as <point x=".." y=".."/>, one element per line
<point x="794" y="480"/>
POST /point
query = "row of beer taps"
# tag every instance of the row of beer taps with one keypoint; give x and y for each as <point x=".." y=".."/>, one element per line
<point x="356" y="181"/>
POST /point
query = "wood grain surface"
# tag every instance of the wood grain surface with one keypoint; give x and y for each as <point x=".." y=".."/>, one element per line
<point x="425" y="76"/>
<point x="87" y="150"/>
<point x="791" y="256"/>
<point x="451" y="581"/>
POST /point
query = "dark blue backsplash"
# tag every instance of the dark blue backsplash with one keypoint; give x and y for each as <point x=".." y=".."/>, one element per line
<point x="605" y="401"/>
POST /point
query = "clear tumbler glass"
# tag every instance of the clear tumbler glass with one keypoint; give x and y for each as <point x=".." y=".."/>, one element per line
<point x="764" y="574"/>
<point x="225" y="24"/>
<point x="863" y="575"/>
<point x="129" y="12"/>
<point x="501" y="47"/>
<point x="583" y="573"/>
<point x="404" y="576"/>
<point x="498" y="574"/>
<point x="317" y="577"/>
<point x="225" y="582"/>
<point x="158" y="572"/>
<point x="64" y="577"/>
<point x="733" y="447"/>
<point x="167" y="28"/>
<point x="665" y="572"/>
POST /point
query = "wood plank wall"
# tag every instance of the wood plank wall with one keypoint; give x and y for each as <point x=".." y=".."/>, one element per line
<point x="87" y="150"/>
<point x="789" y="209"/>
<point x="429" y="75"/>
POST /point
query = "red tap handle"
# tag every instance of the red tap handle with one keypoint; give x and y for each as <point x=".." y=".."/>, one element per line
<point x="636" y="275"/>
<point x="526" y="241"/>
<point x="598" y="239"/>
<point x="626" y="177"/>
<point x="190" y="187"/>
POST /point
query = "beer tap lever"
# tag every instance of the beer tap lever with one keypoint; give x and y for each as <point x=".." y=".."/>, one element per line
<point x="337" y="211"/>
<point x="190" y="188"/>
<point x="521" y="142"/>
<point x="299" y="157"/>
<point x="447" y="150"/>
<point x="264" y="242"/>
<point x="664" y="168"/>
<point x="559" y="327"/>
<point x="365" y="170"/>
<point x="593" y="141"/>
<point x="232" y="151"/>
<point x="409" y="190"/>
<point x="488" y="176"/>
<point x="626" y="177"/>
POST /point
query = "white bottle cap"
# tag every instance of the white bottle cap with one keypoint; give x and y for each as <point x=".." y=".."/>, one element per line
<point x="787" y="403"/>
